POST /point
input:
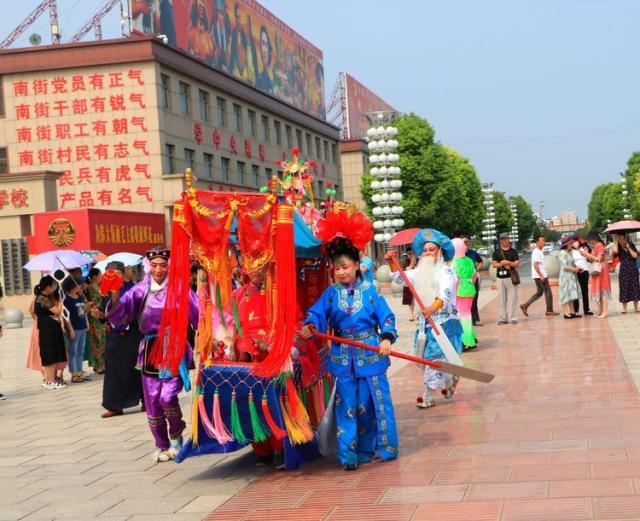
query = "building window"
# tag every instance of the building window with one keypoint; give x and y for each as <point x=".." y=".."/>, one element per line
<point x="222" y="111"/>
<point x="277" y="127"/>
<point x="287" y="131"/>
<point x="241" y="173"/>
<point x="16" y="281"/>
<point x="318" y="149"/>
<point x="326" y="150"/>
<point x="253" y="130"/>
<point x="309" y="147"/>
<point x="225" y="164"/>
<point x="203" y="101"/>
<point x="165" y="89"/>
<point x="237" y="116"/>
<point x="184" y="91"/>
<point x="320" y="190"/>
<point x="337" y="189"/>
<point x="266" y="135"/>
<point x="255" y="175"/>
<point x="170" y="155"/>
<point x="189" y="159"/>
<point x="299" y="139"/>
<point x="208" y="165"/>
<point x="268" y="173"/>
<point x="334" y="155"/>
<point x="4" y="161"/>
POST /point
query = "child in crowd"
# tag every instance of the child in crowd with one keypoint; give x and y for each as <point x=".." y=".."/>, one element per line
<point x="74" y="302"/>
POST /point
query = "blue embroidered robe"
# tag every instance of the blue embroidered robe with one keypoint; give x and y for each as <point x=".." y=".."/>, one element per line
<point x="364" y="411"/>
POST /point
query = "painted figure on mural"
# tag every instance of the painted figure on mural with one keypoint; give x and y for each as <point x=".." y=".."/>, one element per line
<point x="221" y="35"/>
<point x="145" y="303"/>
<point x="243" y="61"/>
<point x="199" y="39"/>
<point x="264" y="81"/>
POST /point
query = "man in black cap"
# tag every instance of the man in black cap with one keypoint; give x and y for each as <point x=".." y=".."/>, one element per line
<point x="505" y="259"/>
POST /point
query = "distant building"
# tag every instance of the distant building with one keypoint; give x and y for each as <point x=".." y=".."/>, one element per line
<point x="567" y="222"/>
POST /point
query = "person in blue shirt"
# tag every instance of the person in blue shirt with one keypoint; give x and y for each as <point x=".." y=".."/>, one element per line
<point x="77" y="337"/>
<point x="366" y="268"/>
<point x="354" y="310"/>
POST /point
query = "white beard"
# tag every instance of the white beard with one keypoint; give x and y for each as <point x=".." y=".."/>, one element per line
<point x="426" y="279"/>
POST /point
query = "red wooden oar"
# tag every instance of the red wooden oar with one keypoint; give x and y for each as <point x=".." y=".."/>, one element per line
<point x="445" y="367"/>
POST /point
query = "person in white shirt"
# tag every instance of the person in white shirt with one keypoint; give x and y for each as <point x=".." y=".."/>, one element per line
<point x="539" y="276"/>
<point x="583" y="277"/>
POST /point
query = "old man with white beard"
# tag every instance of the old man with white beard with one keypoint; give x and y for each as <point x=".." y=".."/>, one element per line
<point x="436" y="283"/>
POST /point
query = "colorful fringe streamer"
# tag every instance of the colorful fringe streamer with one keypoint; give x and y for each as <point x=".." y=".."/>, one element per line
<point x="284" y="293"/>
<point x="204" y="419"/>
<point x="259" y="433"/>
<point x="220" y="430"/>
<point x="236" y="316"/>
<point x="175" y="316"/>
<point x="236" y="427"/>
<point x="271" y="423"/>
<point x="195" y="407"/>
<point x="298" y="428"/>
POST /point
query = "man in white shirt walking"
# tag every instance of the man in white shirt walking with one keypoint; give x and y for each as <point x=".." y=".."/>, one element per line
<point x="539" y="276"/>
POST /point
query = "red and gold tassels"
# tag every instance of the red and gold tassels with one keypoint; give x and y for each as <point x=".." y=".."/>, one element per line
<point x="284" y="292"/>
<point x="271" y="423"/>
<point x="169" y="346"/>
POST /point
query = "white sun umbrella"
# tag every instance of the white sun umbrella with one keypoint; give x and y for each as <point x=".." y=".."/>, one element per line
<point x="58" y="260"/>
<point x="128" y="259"/>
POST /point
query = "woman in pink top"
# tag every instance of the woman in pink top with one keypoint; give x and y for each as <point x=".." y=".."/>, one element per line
<point x="600" y="286"/>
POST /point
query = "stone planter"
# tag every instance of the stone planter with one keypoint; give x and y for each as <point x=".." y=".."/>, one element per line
<point x="383" y="274"/>
<point x="13" y="317"/>
<point x="552" y="265"/>
<point x="396" y="289"/>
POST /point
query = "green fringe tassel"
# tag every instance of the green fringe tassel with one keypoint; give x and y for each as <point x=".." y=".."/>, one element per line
<point x="281" y="380"/>
<point x="303" y="397"/>
<point x="259" y="430"/>
<point x="327" y="391"/>
<point x="236" y="317"/>
<point x="236" y="428"/>
<point x="219" y="303"/>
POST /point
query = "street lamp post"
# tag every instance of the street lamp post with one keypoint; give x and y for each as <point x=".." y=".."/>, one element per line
<point x="625" y="197"/>
<point x="386" y="185"/>
<point x="514" y="229"/>
<point x="489" y="231"/>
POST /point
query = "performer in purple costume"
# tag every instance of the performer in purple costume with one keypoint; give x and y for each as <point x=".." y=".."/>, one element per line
<point x="145" y="303"/>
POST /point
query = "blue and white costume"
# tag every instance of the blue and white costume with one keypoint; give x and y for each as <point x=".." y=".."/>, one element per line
<point x="363" y="408"/>
<point x="441" y="283"/>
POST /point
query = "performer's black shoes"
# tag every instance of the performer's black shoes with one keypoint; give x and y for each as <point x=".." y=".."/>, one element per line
<point x="351" y="466"/>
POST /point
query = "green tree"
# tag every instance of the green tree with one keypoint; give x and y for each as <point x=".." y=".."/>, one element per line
<point x="504" y="217"/>
<point x="632" y="178"/>
<point x="597" y="218"/>
<point x="441" y="188"/>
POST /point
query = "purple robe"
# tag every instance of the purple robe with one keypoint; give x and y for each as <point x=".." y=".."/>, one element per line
<point x="160" y="394"/>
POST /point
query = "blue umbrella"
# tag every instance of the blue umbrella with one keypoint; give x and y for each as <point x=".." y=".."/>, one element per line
<point x="57" y="260"/>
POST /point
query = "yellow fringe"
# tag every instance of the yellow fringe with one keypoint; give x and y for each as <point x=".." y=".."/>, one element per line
<point x="194" y="416"/>
<point x="298" y="429"/>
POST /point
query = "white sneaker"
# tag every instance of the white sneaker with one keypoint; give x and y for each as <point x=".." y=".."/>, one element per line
<point x="426" y="401"/>
<point x="176" y="446"/>
<point x="50" y="386"/>
<point x="448" y="392"/>
<point x="160" y="456"/>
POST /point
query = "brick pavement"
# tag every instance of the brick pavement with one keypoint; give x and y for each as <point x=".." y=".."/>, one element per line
<point x="556" y="436"/>
<point x="60" y="461"/>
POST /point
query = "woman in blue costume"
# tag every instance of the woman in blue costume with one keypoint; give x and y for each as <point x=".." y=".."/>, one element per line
<point x="354" y="310"/>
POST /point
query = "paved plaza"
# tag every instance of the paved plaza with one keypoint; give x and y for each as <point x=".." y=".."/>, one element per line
<point x="555" y="436"/>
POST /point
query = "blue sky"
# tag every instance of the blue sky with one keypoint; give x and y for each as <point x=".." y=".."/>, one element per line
<point x="540" y="95"/>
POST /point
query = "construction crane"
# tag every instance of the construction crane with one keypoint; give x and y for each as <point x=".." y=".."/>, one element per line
<point x="53" y="19"/>
<point x="95" y="21"/>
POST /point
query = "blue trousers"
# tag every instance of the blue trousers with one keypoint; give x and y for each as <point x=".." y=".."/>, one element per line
<point x="365" y="419"/>
<point x="76" y="351"/>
